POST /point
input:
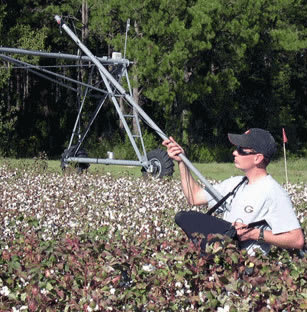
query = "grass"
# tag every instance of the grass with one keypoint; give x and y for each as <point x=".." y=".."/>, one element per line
<point x="296" y="169"/>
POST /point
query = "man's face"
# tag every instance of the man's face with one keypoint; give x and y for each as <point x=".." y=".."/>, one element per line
<point x="245" y="158"/>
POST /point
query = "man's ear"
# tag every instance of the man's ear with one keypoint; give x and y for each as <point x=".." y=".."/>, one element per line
<point x="259" y="160"/>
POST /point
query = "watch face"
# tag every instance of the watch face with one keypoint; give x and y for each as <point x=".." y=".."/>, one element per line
<point x="261" y="236"/>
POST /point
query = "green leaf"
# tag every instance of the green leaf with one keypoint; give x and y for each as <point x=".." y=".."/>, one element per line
<point x="234" y="258"/>
<point x="23" y="296"/>
<point x="49" y="286"/>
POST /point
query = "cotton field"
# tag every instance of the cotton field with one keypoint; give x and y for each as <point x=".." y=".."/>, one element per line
<point x="92" y="242"/>
<point x="76" y="203"/>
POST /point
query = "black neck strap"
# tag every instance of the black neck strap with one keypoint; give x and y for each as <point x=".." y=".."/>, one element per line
<point x="221" y="201"/>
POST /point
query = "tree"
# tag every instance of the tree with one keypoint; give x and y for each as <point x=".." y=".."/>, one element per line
<point x="200" y="68"/>
<point x="41" y="123"/>
<point x="242" y="73"/>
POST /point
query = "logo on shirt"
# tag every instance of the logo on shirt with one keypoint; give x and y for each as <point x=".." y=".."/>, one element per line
<point x="248" y="209"/>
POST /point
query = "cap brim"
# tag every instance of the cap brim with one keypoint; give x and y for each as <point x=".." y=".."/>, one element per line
<point x="238" y="139"/>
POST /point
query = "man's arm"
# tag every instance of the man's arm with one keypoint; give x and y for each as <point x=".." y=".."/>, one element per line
<point x="192" y="190"/>
<point x="291" y="239"/>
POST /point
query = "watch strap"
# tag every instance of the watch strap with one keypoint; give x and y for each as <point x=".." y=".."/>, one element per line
<point x="261" y="235"/>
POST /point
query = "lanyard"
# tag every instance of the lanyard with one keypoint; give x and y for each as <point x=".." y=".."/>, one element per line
<point x="220" y="202"/>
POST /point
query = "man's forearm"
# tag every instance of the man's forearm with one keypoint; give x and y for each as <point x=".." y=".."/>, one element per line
<point x="291" y="239"/>
<point x="191" y="189"/>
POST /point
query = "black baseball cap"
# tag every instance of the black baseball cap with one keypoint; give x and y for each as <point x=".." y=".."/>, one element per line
<point x="260" y="140"/>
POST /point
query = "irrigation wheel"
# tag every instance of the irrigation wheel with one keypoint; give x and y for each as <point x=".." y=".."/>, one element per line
<point x="161" y="162"/>
<point x="70" y="152"/>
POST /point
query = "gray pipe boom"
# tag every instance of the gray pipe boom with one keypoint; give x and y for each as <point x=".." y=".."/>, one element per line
<point x="61" y="55"/>
<point x="103" y="71"/>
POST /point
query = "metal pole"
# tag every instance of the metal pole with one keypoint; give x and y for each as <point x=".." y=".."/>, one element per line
<point x="61" y="55"/>
<point x="120" y="114"/>
<point x="28" y="67"/>
<point x="10" y="59"/>
<point x="127" y="29"/>
<point x="103" y="71"/>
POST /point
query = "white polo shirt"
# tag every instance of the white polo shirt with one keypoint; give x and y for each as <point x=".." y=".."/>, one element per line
<point x="264" y="199"/>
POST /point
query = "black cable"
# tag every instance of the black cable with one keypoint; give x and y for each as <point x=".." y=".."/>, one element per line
<point x="46" y="66"/>
<point x="221" y="201"/>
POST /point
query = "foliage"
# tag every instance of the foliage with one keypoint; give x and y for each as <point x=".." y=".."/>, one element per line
<point x="122" y="147"/>
<point x="200" y="68"/>
<point x="206" y="154"/>
<point x="94" y="243"/>
<point x="7" y="126"/>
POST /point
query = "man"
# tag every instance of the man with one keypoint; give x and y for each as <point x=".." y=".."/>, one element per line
<point x="259" y="198"/>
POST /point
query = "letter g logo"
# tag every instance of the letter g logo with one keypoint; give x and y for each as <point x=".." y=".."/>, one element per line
<point x="248" y="209"/>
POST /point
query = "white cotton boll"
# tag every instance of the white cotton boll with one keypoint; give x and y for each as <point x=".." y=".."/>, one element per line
<point x="72" y="224"/>
<point x="148" y="268"/>
<point x="112" y="291"/>
<point x="225" y="309"/>
<point x="7" y="231"/>
<point x="6" y="221"/>
<point x="179" y="293"/>
<point x="111" y="215"/>
<point x="5" y="291"/>
<point x="201" y="296"/>
<point x="24" y="283"/>
<point x="142" y="210"/>
<point x="178" y="285"/>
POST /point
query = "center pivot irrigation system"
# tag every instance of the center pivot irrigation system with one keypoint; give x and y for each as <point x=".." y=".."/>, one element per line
<point x="155" y="162"/>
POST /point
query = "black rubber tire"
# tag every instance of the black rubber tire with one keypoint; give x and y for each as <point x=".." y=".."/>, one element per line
<point x="162" y="163"/>
<point x="70" y="153"/>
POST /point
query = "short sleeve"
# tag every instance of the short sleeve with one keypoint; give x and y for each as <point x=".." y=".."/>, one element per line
<point x="281" y="216"/>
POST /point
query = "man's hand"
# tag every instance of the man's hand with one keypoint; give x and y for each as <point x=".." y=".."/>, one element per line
<point x="244" y="233"/>
<point x="291" y="239"/>
<point x="173" y="149"/>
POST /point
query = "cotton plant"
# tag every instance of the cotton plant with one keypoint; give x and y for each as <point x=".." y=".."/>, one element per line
<point x="90" y="242"/>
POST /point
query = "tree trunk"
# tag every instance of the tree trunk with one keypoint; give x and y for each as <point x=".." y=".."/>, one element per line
<point x="84" y="21"/>
<point x="185" y="117"/>
<point x="135" y="90"/>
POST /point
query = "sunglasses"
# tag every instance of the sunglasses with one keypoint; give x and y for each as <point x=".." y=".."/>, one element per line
<point x="241" y="152"/>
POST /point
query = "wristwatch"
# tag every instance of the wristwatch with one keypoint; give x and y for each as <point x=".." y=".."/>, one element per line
<point x="261" y="235"/>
